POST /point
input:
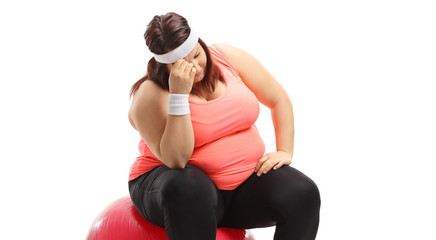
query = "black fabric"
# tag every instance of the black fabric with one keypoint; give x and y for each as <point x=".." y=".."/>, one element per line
<point x="189" y="206"/>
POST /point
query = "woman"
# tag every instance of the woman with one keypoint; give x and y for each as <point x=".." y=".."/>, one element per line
<point x="202" y="162"/>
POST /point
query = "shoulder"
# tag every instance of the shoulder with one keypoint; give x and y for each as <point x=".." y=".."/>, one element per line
<point x="149" y="97"/>
<point x="150" y="91"/>
<point x="236" y="56"/>
<point x="227" y="50"/>
<point x="254" y="75"/>
<point x="224" y="47"/>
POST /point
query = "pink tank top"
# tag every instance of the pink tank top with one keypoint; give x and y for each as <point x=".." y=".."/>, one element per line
<point x="227" y="143"/>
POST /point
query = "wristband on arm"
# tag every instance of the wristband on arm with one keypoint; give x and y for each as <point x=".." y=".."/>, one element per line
<point x="178" y="104"/>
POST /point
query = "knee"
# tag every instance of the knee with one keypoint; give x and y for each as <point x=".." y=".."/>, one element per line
<point x="187" y="186"/>
<point x="310" y="195"/>
<point x="301" y="193"/>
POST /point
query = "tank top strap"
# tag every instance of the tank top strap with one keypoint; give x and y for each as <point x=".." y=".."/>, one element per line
<point x="223" y="63"/>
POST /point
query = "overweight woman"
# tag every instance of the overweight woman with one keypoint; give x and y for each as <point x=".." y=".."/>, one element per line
<point x="203" y="163"/>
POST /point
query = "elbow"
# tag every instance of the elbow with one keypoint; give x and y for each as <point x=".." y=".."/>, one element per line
<point x="175" y="157"/>
<point x="175" y="166"/>
<point x="178" y="162"/>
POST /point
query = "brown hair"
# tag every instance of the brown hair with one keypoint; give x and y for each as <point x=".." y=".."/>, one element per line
<point x="165" y="33"/>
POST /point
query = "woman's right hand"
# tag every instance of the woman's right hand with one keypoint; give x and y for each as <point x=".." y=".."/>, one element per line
<point x="182" y="77"/>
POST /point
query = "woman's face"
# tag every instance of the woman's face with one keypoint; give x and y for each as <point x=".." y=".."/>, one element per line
<point x="197" y="57"/>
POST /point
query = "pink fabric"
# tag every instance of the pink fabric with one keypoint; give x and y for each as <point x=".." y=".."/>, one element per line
<point x="227" y="143"/>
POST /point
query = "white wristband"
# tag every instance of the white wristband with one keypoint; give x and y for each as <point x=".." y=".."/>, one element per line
<point x="178" y="104"/>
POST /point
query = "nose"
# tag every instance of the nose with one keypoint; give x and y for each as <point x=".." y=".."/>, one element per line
<point x="196" y="66"/>
<point x="194" y="62"/>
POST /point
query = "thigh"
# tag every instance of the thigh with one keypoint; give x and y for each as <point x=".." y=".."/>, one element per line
<point x="162" y="186"/>
<point x="145" y="194"/>
<point x="269" y="199"/>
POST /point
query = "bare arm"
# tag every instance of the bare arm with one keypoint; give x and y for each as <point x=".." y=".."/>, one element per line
<point x="169" y="137"/>
<point x="271" y="94"/>
<point x="177" y="142"/>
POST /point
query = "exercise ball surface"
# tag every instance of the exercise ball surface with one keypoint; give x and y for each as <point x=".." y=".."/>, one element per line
<point x="121" y="221"/>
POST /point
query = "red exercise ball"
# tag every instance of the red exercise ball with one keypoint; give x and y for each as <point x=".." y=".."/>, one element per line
<point x="121" y="221"/>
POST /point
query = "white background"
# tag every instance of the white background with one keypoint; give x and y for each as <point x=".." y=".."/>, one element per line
<point x="361" y="76"/>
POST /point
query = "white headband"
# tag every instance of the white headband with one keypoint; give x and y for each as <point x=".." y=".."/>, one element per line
<point x="179" y="52"/>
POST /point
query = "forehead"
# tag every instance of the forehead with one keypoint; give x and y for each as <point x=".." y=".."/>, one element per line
<point x="195" y="50"/>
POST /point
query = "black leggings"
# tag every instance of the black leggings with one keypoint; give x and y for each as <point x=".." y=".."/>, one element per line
<point x="189" y="205"/>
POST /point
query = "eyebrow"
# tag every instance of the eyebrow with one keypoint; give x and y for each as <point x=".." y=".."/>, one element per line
<point x="196" y="50"/>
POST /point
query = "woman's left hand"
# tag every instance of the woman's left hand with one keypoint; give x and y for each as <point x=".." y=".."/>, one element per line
<point x="273" y="160"/>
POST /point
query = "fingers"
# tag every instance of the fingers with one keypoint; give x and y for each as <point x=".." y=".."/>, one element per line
<point x="272" y="160"/>
<point x="278" y="165"/>
<point x="260" y="162"/>
<point x="184" y="67"/>
<point x="177" y="64"/>
<point x="180" y="64"/>
<point x="181" y="77"/>
<point x="188" y="68"/>
<point x="192" y="72"/>
<point x="266" y="166"/>
<point x="266" y="163"/>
